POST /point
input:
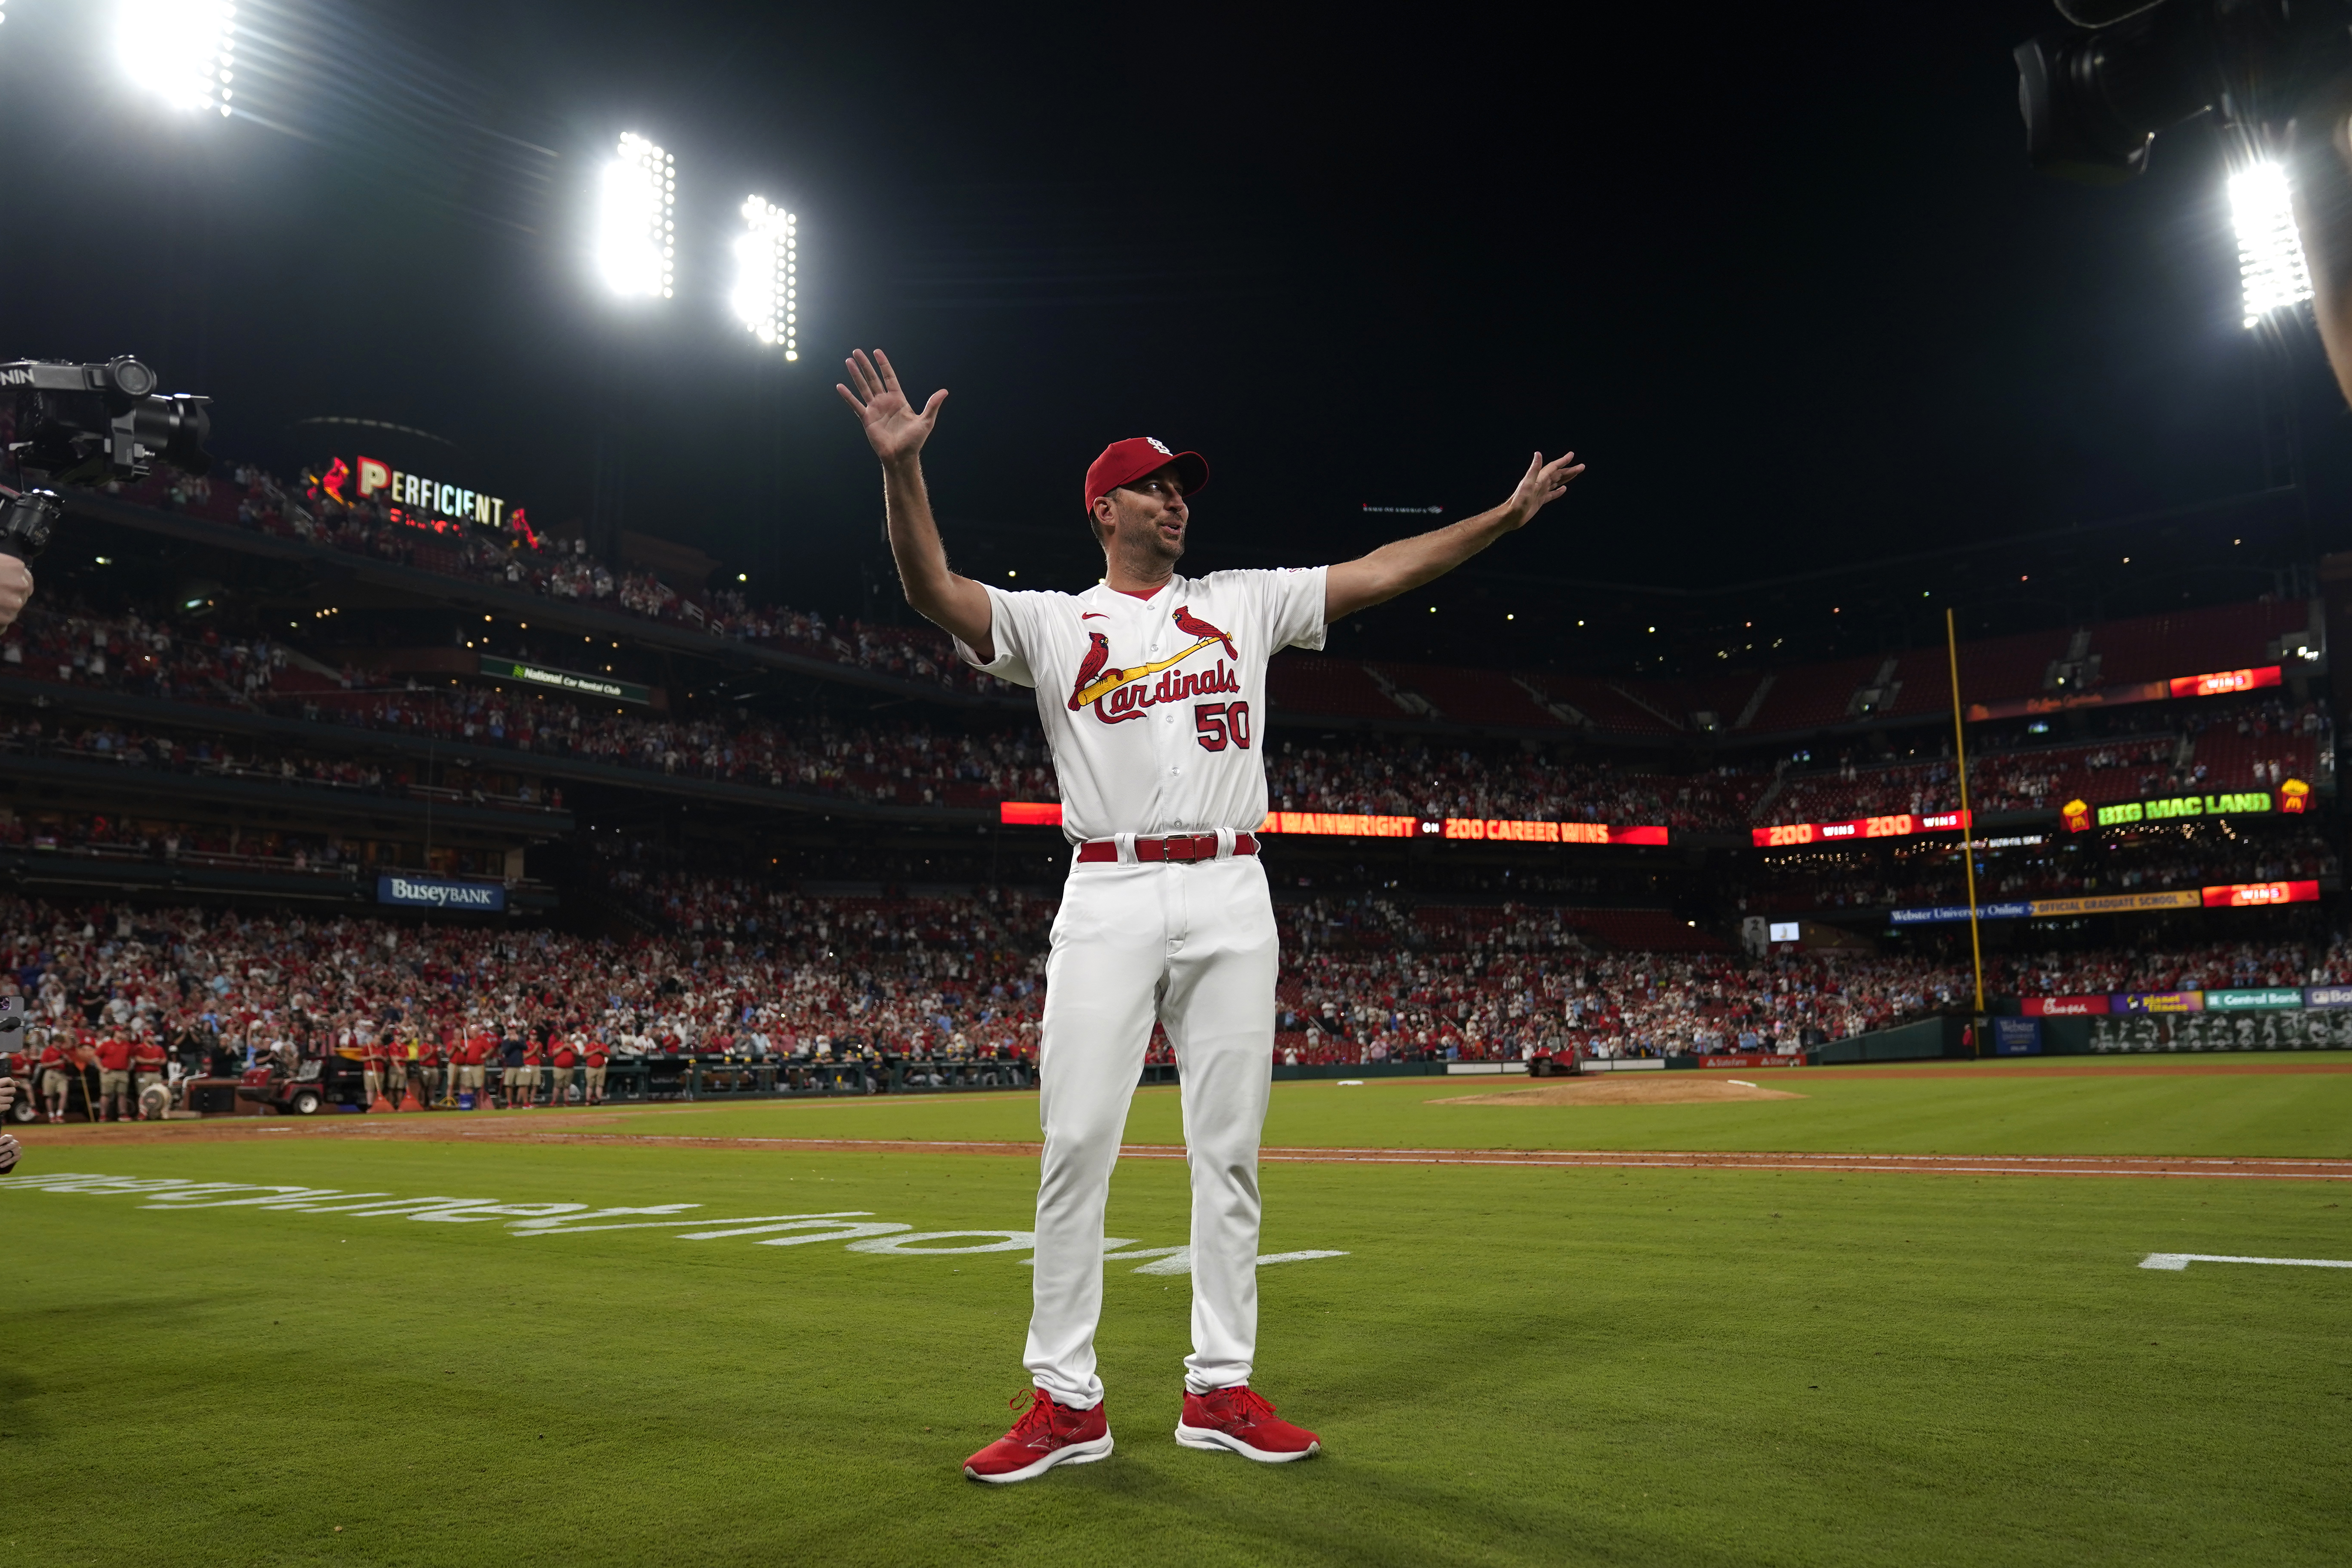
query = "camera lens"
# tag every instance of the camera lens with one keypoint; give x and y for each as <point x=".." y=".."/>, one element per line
<point x="130" y="377"/>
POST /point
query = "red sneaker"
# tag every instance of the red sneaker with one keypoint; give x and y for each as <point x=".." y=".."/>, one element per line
<point x="1238" y="1419"/>
<point x="1047" y="1434"/>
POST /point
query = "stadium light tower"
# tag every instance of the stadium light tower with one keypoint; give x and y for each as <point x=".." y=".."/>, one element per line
<point x="2271" y="267"/>
<point x="636" y="220"/>
<point x="183" y="51"/>
<point x="766" y="296"/>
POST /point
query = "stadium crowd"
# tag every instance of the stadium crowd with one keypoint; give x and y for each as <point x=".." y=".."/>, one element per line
<point x="336" y="517"/>
<point x="2164" y="859"/>
<point x="2252" y="745"/>
<point x="745" y="969"/>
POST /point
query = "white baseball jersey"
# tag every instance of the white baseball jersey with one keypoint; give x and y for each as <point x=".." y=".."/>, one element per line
<point x="1154" y="708"/>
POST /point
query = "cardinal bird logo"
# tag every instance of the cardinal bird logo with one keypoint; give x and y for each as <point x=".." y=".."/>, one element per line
<point x="1093" y="667"/>
<point x="1193" y="626"/>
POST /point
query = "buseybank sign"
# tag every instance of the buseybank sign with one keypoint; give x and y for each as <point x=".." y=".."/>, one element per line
<point x="439" y="893"/>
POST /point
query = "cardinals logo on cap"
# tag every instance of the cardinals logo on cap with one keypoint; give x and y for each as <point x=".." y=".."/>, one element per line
<point x="1159" y="445"/>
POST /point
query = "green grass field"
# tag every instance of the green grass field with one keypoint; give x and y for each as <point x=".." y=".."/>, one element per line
<point x="2282" y="1108"/>
<point x="1536" y="1366"/>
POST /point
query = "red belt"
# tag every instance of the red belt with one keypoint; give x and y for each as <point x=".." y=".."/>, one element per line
<point x="1183" y="846"/>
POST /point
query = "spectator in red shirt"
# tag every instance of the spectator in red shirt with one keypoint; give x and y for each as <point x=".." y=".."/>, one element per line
<point x="471" y="1075"/>
<point x="597" y="1058"/>
<point x="375" y="1058"/>
<point x="524" y="1081"/>
<point x="57" y="1075"/>
<point x="152" y="1065"/>
<point x="113" y="1078"/>
<point x="566" y="1057"/>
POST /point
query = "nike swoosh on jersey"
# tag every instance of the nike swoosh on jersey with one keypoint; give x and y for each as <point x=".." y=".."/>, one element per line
<point x="1094" y="616"/>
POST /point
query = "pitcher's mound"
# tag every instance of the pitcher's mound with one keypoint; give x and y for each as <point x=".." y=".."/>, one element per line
<point x="1628" y="1088"/>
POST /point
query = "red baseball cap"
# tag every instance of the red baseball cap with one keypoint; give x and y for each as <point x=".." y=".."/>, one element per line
<point x="1124" y="462"/>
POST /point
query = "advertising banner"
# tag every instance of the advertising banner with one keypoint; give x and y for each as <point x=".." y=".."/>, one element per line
<point x="1340" y="824"/>
<point x="1902" y="824"/>
<point x="2173" y="808"/>
<point x="2323" y="1029"/>
<point x="439" y="893"/>
<point x="2016" y="1036"/>
<point x="2065" y="1007"/>
<point x="1944" y="913"/>
<point x="1751" y="1060"/>
<point x="1517" y="830"/>
<point x="2328" y="996"/>
<point x="2251" y="895"/>
<point x="2116" y="903"/>
<point x="2158" y="1002"/>
<point x="603" y="686"/>
<point x="2254" y="1001"/>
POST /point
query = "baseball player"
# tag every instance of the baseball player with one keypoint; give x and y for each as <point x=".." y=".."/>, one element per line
<point x="1151" y="687"/>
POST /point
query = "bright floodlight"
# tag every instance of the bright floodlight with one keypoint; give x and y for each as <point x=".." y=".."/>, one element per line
<point x="766" y="297"/>
<point x="634" y="222"/>
<point x="2270" y="251"/>
<point x="183" y="51"/>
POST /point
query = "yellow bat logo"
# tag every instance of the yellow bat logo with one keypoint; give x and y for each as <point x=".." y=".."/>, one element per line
<point x="1110" y="680"/>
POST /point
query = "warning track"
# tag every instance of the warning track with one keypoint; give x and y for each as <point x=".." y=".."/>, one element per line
<point x="518" y="1130"/>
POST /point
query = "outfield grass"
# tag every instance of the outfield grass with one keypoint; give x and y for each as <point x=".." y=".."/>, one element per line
<point x="2001" y="1110"/>
<point x="1509" y="1365"/>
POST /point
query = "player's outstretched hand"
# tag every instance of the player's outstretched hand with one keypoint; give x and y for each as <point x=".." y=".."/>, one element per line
<point x="893" y="427"/>
<point x="1543" y="484"/>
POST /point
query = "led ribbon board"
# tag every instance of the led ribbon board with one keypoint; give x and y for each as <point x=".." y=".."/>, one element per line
<point x="2230" y="896"/>
<point x="574" y="680"/>
<point x="1349" y="824"/>
<point x="2218" y="683"/>
<point x="1902" y="824"/>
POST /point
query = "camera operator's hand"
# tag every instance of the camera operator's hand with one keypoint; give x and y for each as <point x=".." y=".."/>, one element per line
<point x="9" y="1149"/>
<point x="16" y="587"/>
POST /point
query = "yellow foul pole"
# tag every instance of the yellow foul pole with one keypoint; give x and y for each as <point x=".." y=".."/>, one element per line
<point x="1968" y="818"/>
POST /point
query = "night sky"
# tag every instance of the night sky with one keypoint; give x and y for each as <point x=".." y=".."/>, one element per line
<point x="1786" y="282"/>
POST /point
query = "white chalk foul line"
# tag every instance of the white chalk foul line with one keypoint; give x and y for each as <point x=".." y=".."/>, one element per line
<point x="2178" y="1262"/>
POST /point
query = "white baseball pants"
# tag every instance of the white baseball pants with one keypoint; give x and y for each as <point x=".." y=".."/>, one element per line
<point x="1192" y="944"/>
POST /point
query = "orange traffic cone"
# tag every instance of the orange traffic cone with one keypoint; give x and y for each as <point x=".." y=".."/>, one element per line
<point x="408" y="1100"/>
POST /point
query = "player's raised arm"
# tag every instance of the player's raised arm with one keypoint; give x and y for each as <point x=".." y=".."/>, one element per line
<point x="897" y="430"/>
<point x="1406" y="564"/>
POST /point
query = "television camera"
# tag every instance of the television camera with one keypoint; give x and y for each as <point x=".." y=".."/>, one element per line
<point x="81" y="423"/>
<point x="2096" y="93"/>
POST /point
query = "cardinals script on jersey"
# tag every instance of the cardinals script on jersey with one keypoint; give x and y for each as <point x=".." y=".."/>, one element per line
<point x="1152" y="706"/>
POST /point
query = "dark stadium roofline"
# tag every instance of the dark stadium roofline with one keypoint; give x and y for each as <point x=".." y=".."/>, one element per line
<point x="1890" y="563"/>
<point x="350" y="420"/>
<point x="560" y="614"/>
<point x="505" y="759"/>
<point x="309" y="802"/>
